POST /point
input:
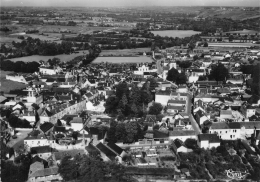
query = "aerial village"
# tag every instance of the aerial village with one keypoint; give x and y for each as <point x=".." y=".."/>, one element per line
<point x="156" y="114"/>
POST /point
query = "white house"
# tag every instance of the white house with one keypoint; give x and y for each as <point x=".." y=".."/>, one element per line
<point x="49" y="70"/>
<point x="226" y="131"/>
<point x="182" y="134"/>
<point x="35" y="141"/>
<point x="208" y="141"/>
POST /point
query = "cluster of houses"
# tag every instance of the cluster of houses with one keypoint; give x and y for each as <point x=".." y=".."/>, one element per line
<point x="66" y="107"/>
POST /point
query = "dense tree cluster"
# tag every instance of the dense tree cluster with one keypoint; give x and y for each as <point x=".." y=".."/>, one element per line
<point x="32" y="46"/>
<point x="255" y="87"/>
<point x="20" y="66"/>
<point x="16" y="171"/>
<point x="156" y="108"/>
<point x="219" y="73"/>
<point x="176" y="77"/>
<point x="125" y="132"/>
<point x="92" y="169"/>
<point x="132" y="102"/>
<point x="16" y="122"/>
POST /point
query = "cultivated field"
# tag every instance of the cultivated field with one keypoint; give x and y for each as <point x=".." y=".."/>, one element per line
<point x="175" y="33"/>
<point x="7" y="85"/>
<point x="62" y="57"/>
<point x="232" y="44"/>
<point x="121" y="52"/>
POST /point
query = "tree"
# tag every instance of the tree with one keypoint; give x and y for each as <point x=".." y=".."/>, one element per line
<point x="68" y="168"/>
<point x="185" y="64"/>
<point x="202" y="78"/>
<point x="156" y="108"/>
<point x="219" y="73"/>
<point x="196" y="57"/>
<point x="120" y="133"/>
<point x="181" y="79"/>
<point x="75" y="135"/>
<point x="256" y="80"/>
<point x="205" y="44"/>
<point x="191" y="143"/>
<point x="172" y="75"/>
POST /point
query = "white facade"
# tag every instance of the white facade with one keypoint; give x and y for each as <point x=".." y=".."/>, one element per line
<point x="227" y="134"/>
<point x="183" y="138"/>
<point x="206" y="144"/>
<point x="47" y="71"/>
<point x="37" y="142"/>
<point x="163" y="99"/>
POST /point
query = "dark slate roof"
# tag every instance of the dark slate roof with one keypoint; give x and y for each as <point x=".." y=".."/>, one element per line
<point x="222" y="125"/>
<point x="41" y="149"/>
<point x="59" y="129"/>
<point x="46" y="126"/>
<point x="109" y="153"/>
<point x="115" y="148"/>
<point x="91" y="148"/>
<point x="212" y="138"/>
<point x="160" y="134"/>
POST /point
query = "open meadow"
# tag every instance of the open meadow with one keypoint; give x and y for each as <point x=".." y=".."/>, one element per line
<point x="175" y="33"/>
<point x="7" y="85"/>
<point x="62" y="57"/>
<point x="121" y="52"/>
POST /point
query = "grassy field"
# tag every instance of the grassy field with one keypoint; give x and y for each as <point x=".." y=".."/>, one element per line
<point x="8" y="39"/>
<point x="62" y="57"/>
<point x="119" y="60"/>
<point x="7" y="85"/>
<point x="175" y="33"/>
<point x="118" y="52"/>
<point x="216" y="44"/>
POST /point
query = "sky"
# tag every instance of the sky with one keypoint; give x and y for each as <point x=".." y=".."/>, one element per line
<point x="114" y="3"/>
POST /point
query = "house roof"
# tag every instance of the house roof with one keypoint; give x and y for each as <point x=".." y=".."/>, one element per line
<point x="177" y="101"/>
<point x="115" y="148"/>
<point x="59" y="129"/>
<point x="46" y="126"/>
<point x="179" y="108"/>
<point x="77" y="120"/>
<point x="45" y="172"/>
<point x="2" y="98"/>
<point x="222" y="125"/>
<point x="212" y="138"/>
<point x="160" y="134"/>
<point x="104" y="149"/>
<point x="41" y="149"/>
<point x="182" y="133"/>
<point x="91" y="148"/>
<point x="250" y="125"/>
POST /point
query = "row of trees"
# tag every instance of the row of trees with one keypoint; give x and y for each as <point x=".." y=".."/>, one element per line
<point x="91" y="168"/>
<point x="16" y="122"/>
<point x="20" y="66"/>
<point x="32" y="46"/>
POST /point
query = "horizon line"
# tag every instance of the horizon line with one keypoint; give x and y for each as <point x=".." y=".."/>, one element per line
<point x="127" y="6"/>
